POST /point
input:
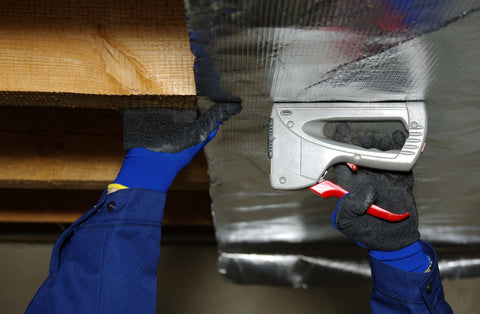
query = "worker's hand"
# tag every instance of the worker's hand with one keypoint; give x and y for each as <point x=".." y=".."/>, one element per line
<point x="390" y="190"/>
<point x="175" y="136"/>
<point x="173" y="131"/>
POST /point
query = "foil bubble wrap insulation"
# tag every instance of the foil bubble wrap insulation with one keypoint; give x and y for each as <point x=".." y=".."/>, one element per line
<point x="336" y="50"/>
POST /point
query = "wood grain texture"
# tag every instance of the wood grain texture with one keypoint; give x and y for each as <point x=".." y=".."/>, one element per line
<point x="96" y="47"/>
<point x="60" y="148"/>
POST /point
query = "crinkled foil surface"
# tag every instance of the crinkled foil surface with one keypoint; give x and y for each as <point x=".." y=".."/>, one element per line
<point x="344" y="50"/>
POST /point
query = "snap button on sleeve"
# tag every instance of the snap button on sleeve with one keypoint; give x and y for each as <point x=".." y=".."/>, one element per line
<point x="429" y="288"/>
<point x="111" y="206"/>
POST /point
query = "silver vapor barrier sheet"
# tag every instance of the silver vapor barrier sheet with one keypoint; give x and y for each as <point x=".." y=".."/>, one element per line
<point x="332" y="51"/>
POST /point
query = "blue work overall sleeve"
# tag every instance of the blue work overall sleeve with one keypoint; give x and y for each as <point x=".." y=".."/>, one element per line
<point x="398" y="291"/>
<point x="107" y="261"/>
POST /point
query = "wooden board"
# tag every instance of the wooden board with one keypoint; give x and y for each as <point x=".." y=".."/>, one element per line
<point x="55" y="52"/>
<point x="60" y="148"/>
<point x="182" y="209"/>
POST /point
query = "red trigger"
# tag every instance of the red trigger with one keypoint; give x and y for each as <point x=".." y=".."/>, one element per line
<point x="328" y="189"/>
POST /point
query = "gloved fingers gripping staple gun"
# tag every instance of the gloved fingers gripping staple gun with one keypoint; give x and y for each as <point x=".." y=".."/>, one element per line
<point x="300" y="153"/>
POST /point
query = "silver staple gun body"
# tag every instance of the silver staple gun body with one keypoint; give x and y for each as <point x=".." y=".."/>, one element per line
<point x="300" y="153"/>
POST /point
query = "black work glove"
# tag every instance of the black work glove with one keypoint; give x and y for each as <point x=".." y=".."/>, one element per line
<point x="166" y="138"/>
<point x="390" y="190"/>
<point x="170" y="130"/>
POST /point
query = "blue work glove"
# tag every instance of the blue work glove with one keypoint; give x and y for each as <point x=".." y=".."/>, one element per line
<point x="160" y="142"/>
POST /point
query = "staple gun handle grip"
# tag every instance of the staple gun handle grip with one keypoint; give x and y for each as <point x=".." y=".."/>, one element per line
<point x="328" y="189"/>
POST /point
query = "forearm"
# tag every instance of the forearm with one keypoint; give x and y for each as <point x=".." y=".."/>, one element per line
<point x="400" y="291"/>
<point x="107" y="260"/>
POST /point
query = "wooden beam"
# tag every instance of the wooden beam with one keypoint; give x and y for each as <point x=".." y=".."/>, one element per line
<point x="79" y="53"/>
<point x="183" y="208"/>
<point x="188" y="209"/>
<point x="60" y="148"/>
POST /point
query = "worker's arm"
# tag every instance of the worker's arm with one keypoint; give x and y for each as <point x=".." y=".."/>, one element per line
<point x="404" y="268"/>
<point x="399" y="291"/>
<point x="106" y="262"/>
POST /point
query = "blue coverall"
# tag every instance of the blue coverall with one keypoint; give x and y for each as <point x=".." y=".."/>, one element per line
<point x="106" y="262"/>
<point x="397" y="291"/>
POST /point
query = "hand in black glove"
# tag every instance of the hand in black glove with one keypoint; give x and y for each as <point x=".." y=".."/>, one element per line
<point x="160" y="142"/>
<point x="390" y="190"/>
<point x="172" y="131"/>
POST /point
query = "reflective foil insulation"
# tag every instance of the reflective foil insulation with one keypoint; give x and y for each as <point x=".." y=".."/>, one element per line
<point x="346" y="50"/>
